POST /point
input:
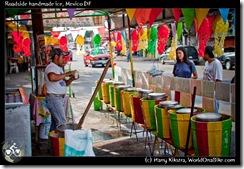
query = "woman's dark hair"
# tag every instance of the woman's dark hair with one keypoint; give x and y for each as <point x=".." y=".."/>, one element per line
<point x="185" y="58"/>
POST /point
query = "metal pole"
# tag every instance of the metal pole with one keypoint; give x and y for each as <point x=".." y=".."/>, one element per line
<point x="131" y="59"/>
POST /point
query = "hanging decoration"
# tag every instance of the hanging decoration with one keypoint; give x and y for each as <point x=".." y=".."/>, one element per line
<point x="177" y="13"/>
<point x="210" y="21"/>
<point x="17" y="37"/>
<point x="203" y="35"/>
<point x="135" y="40"/>
<point x="118" y="46"/>
<point x="220" y="32"/>
<point x="63" y="43"/>
<point x="96" y="43"/>
<point x="130" y="12"/>
<point x="189" y="15"/>
<point x="71" y="12"/>
<point x="101" y="31"/>
<point x="201" y="13"/>
<point x="152" y="42"/>
<point x="154" y="14"/>
<point x="123" y="40"/>
<point x="142" y="15"/>
<point x="113" y="44"/>
<point x="163" y="35"/>
<point x="179" y="30"/>
<point x="173" y="47"/>
<point x="26" y="42"/>
<point x="196" y="25"/>
<point x="79" y="40"/>
<point x="224" y="13"/>
<point x="143" y="40"/>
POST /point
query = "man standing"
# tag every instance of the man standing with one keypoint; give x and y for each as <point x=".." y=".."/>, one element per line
<point x="56" y="87"/>
<point x="213" y="71"/>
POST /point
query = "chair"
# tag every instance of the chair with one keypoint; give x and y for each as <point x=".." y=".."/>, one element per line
<point x="13" y="66"/>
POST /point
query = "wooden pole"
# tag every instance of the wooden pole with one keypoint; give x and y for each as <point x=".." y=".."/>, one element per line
<point x="79" y="126"/>
<point x="131" y="59"/>
<point x="189" y="126"/>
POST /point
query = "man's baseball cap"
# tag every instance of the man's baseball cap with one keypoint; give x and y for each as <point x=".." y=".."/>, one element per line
<point x="58" y="51"/>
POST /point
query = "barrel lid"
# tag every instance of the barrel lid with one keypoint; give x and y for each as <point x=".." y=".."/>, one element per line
<point x="145" y="91"/>
<point x="121" y="87"/>
<point x="176" y="106"/>
<point x="156" y="94"/>
<point x="108" y="81"/>
<point x="168" y="102"/>
<point x="186" y="111"/>
<point x="208" y="117"/>
<point x="103" y="80"/>
<point x="118" y="83"/>
<point x="132" y="89"/>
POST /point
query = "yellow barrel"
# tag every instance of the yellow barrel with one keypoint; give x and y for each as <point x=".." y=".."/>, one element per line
<point x="127" y="101"/>
<point x="105" y="91"/>
<point x="115" y="85"/>
<point x="118" y="97"/>
<point x="100" y="95"/>
<point x="179" y="127"/>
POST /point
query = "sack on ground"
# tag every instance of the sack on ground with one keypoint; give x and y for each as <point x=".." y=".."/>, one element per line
<point x="78" y="143"/>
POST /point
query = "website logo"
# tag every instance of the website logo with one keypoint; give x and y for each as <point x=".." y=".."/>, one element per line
<point x="12" y="152"/>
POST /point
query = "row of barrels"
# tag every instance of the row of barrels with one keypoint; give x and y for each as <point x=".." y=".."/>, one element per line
<point x="210" y="133"/>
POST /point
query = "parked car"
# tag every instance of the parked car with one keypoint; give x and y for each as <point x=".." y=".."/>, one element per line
<point x="93" y="59"/>
<point x="191" y="52"/>
<point x="227" y="60"/>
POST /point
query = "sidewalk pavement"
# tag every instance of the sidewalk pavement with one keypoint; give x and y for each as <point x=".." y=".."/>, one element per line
<point x="109" y="140"/>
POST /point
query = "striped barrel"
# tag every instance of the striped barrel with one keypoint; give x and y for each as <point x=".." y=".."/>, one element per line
<point x="56" y="144"/>
<point x="111" y="95"/>
<point x="212" y="138"/>
<point x="127" y="101"/>
<point x="179" y="129"/>
<point x="162" y="122"/>
<point x="105" y="91"/>
<point x="148" y="112"/>
<point x="136" y="111"/>
<point x="115" y="85"/>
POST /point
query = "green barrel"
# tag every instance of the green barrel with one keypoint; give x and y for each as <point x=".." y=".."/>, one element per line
<point x="118" y="97"/>
<point x="115" y="85"/>
<point x="212" y="138"/>
<point x="111" y="95"/>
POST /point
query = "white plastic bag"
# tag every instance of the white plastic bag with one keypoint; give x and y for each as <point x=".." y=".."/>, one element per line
<point x="78" y="143"/>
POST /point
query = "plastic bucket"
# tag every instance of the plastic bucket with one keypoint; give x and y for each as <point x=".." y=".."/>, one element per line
<point x="100" y="94"/>
<point x="179" y="129"/>
<point x="44" y="130"/>
<point x="61" y="128"/>
<point x="212" y="138"/>
<point x="56" y="143"/>
<point x="148" y="112"/>
<point x="97" y="104"/>
<point x="127" y="101"/>
<point x="162" y="122"/>
<point x="136" y="111"/>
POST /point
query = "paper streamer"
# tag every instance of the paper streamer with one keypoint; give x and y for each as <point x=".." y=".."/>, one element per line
<point x="130" y="12"/>
<point x="201" y="13"/>
<point x="189" y="15"/>
<point x="177" y="12"/>
<point x="154" y="14"/>
<point x="173" y="27"/>
<point x="179" y="29"/>
<point x="71" y="12"/>
<point x="142" y="15"/>
<point x="224" y="13"/>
